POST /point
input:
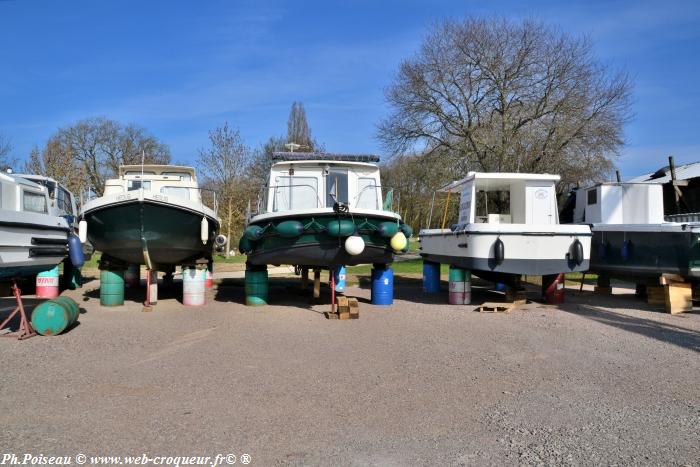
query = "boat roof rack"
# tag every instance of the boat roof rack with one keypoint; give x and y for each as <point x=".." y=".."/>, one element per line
<point x="323" y="156"/>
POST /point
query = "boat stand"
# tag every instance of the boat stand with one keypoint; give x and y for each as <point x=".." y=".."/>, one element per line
<point x="25" y="330"/>
<point x="151" y="289"/>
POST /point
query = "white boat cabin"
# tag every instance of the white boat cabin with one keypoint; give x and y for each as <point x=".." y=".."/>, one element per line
<point x="169" y="180"/>
<point x="309" y="184"/>
<point x="21" y="195"/>
<point x="61" y="201"/>
<point x="506" y="198"/>
<point x="620" y="203"/>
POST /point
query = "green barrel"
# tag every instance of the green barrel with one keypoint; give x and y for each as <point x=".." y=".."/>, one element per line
<point x="457" y="274"/>
<point x="111" y="287"/>
<point x="256" y="287"/>
<point x="55" y="316"/>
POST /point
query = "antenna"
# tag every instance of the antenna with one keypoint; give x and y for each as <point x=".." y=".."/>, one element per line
<point x="143" y="159"/>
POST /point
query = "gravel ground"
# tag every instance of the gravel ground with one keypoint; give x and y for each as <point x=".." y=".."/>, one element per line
<point x="598" y="380"/>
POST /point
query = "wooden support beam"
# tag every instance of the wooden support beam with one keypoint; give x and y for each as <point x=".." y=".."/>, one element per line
<point x="317" y="283"/>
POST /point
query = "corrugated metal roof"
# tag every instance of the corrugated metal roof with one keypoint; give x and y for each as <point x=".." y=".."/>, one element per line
<point x="663" y="175"/>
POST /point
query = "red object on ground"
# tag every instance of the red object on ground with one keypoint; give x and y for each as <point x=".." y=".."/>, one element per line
<point x="553" y="288"/>
<point x="25" y="329"/>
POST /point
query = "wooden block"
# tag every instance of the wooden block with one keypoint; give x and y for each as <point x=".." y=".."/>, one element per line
<point x="679" y="298"/>
<point x="516" y="297"/>
<point x="667" y="279"/>
<point x="490" y="307"/>
<point x="602" y="290"/>
<point x="354" y="306"/>
<point x="330" y="315"/>
<point x="656" y="295"/>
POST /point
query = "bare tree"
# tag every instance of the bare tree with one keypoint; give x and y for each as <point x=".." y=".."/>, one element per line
<point x="223" y="167"/>
<point x="56" y="161"/>
<point x="99" y="146"/>
<point x="298" y="130"/>
<point x="497" y="95"/>
<point x="5" y="149"/>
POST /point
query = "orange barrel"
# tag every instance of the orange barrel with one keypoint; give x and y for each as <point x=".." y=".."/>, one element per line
<point x="553" y="288"/>
<point x="193" y="288"/>
<point x="47" y="284"/>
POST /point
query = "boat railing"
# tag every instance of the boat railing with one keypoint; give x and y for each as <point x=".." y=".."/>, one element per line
<point x="319" y="203"/>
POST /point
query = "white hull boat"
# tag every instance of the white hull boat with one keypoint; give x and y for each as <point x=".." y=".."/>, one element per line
<point x="31" y="240"/>
<point x="516" y="234"/>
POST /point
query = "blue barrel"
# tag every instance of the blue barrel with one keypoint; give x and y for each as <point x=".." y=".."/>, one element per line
<point x="339" y="274"/>
<point x="431" y="277"/>
<point x="382" y="286"/>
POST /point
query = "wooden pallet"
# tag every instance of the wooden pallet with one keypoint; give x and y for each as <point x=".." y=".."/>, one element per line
<point x="346" y="308"/>
<point x="492" y="307"/>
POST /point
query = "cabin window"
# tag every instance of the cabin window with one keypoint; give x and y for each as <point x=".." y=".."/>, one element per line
<point x="592" y="196"/>
<point x="138" y="184"/>
<point x="177" y="191"/>
<point x="295" y="193"/>
<point x="367" y="194"/>
<point x="337" y="187"/>
<point x="184" y="176"/>
<point x="64" y="201"/>
<point x="492" y="202"/>
<point x="33" y="202"/>
<point x="138" y="172"/>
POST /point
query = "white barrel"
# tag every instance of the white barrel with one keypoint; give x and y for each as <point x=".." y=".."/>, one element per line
<point x="457" y="287"/>
<point x="193" y="286"/>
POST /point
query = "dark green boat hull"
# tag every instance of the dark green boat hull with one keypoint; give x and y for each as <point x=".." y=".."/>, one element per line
<point x="646" y="256"/>
<point x="170" y="234"/>
<point x="316" y="248"/>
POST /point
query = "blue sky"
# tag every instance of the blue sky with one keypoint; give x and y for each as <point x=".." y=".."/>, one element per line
<point x="180" y="68"/>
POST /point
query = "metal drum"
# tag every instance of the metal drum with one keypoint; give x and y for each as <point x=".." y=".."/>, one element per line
<point x="111" y="287"/>
<point x="382" y="286"/>
<point x="47" y="284"/>
<point x="55" y="316"/>
<point x="431" y="277"/>
<point x="193" y="286"/>
<point x="256" y="287"/>
<point x="132" y="275"/>
<point x="457" y="290"/>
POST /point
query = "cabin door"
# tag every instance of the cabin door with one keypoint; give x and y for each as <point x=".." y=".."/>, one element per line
<point x="336" y="187"/>
<point x="540" y="200"/>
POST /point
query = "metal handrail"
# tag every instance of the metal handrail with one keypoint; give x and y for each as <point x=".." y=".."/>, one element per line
<point x="315" y="190"/>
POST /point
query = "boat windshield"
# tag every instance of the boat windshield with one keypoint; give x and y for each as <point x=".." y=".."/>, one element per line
<point x="178" y="191"/>
<point x="33" y="202"/>
<point x="138" y="184"/>
<point x="367" y="194"/>
<point x="295" y="193"/>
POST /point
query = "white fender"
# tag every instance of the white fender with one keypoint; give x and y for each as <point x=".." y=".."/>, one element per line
<point x="82" y="231"/>
<point x="204" y="230"/>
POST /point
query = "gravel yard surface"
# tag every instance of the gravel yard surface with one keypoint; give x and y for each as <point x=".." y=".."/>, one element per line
<point x="598" y="380"/>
